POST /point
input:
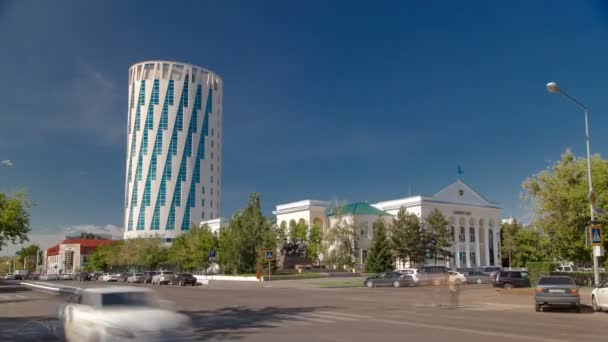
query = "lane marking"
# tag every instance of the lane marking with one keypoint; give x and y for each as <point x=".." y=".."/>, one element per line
<point x="344" y="314"/>
<point x="320" y="315"/>
<point x="316" y="320"/>
<point x="514" y="337"/>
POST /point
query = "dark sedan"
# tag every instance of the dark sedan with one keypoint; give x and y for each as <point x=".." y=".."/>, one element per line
<point x="557" y="291"/>
<point x="394" y="279"/>
<point x="183" y="279"/>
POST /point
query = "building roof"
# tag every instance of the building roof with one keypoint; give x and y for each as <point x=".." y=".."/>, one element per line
<point x="83" y="243"/>
<point x="358" y="209"/>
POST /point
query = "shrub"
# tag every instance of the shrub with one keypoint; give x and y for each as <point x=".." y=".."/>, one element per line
<point x="581" y="278"/>
<point x="538" y="269"/>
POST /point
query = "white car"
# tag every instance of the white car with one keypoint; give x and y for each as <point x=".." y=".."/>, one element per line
<point x="67" y="276"/>
<point x="162" y="277"/>
<point x="122" y="314"/>
<point x="599" y="296"/>
<point x="109" y="277"/>
<point x="135" y="278"/>
<point x="412" y="272"/>
<point x="457" y="277"/>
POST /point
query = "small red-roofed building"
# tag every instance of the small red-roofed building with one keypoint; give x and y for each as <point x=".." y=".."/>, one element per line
<point x="72" y="254"/>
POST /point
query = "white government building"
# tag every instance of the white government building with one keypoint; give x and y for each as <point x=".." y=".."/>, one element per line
<point x="474" y="221"/>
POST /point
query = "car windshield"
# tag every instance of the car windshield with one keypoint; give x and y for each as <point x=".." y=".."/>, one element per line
<point x="167" y="273"/>
<point x="186" y="275"/>
<point x="556" y="281"/>
<point x="127" y="299"/>
<point x="139" y="274"/>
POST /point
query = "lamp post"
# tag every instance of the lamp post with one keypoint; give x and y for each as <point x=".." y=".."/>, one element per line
<point x="552" y="87"/>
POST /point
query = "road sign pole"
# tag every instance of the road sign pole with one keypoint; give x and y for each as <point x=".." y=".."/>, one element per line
<point x="268" y="269"/>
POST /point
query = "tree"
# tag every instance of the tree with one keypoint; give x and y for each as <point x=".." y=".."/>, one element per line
<point x="28" y="254"/>
<point x="509" y="232"/>
<point x="531" y="246"/>
<point x="379" y="256"/>
<point x="407" y="237"/>
<point x="342" y="242"/>
<point x="560" y="203"/>
<point x="438" y="236"/>
<point x="315" y="242"/>
<point x="243" y="238"/>
<point x="190" y="251"/>
<point x="98" y="259"/>
<point x="282" y="232"/>
<point x="14" y="218"/>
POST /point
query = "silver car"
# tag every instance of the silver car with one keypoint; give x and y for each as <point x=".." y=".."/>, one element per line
<point x="557" y="291"/>
<point x="135" y="278"/>
<point x="479" y="277"/>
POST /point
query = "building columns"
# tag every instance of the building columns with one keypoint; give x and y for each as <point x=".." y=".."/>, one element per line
<point x="457" y="246"/>
<point x="467" y="245"/>
<point x="496" y="233"/>
<point x="487" y="245"/>
<point x="477" y="253"/>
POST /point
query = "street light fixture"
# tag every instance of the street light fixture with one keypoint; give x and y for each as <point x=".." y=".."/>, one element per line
<point x="552" y="87"/>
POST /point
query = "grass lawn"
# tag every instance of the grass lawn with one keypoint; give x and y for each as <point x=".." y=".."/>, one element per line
<point x="291" y="276"/>
<point x="355" y="282"/>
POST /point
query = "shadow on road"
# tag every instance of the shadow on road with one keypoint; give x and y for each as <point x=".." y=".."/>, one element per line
<point x="231" y="323"/>
<point x="30" y="329"/>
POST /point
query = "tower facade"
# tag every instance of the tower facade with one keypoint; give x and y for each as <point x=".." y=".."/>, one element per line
<point x="174" y="149"/>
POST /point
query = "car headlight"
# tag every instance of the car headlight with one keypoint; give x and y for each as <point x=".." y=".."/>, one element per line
<point x="119" y="332"/>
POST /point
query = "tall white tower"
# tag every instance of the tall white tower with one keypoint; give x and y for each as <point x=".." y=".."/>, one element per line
<point x="174" y="149"/>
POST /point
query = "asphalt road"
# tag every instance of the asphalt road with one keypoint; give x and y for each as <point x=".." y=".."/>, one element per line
<point x="301" y="311"/>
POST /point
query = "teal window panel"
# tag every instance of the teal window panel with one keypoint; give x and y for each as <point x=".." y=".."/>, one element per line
<point x="147" y="190"/>
<point x="130" y="224"/>
<point x="144" y="143"/>
<point x="170" y="92"/>
<point x="171" y="219"/>
<point x="155" y="224"/>
<point x="155" y="92"/>
<point x="162" y="192"/>
<point x="139" y="167"/>
<point x="141" y="222"/>
<point x="185" y="92"/>
<point x="186" y="220"/>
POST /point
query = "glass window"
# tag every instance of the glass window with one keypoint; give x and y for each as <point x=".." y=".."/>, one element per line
<point x="163" y="191"/>
<point x="211" y="204"/>
<point x="211" y="167"/>
<point x="462" y="232"/>
<point x="185" y="92"/>
<point x="203" y="189"/>
<point x="472" y="234"/>
<point x="170" y="92"/>
<point x="203" y="202"/>
<point x="203" y="215"/>
<point x="212" y="131"/>
<point x="155" y="92"/>
<point x="212" y="188"/>
<point x="171" y="219"/>
<point x="141" y="222"/>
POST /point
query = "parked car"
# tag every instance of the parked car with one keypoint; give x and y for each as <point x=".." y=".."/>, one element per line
<point x="557" y="291"/>
<point x="109" y="277"/>
<point x="511" y="279"/>
<point x="433" y="275"/>
<point x="457" y="277"/>
<point x="478" y="277"/>
<point x="491" y="270"/>
<point x="66" y="276"/>
<point x="135" y="278"/>
<point x="162" y="277"/>
<point x="564" y="268"/>
<point x="599" y="296"/>
<point x="17" y="277"/>
<point x="83" y="276"/>
<point x="9" y="276"/>
<point x="122" y="277"/>
<point x="412" y="272"/>
<point x="182" y="279"/>
<point x="395" y="279"/>
<point x="49" y="277"/>
<point x="122" y="314"/>
<point x="148" y="275"/>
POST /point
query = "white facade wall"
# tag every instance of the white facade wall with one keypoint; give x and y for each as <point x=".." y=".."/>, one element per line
<point x="310" y="211"/>
<point x="157" y="199"/>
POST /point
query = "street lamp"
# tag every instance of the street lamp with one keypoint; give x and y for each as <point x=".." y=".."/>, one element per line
<point x="552" y="87"/>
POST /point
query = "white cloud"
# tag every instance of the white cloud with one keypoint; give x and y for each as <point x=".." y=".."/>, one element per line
<point x="47" y="239"/>
<point x="7" y="162"/>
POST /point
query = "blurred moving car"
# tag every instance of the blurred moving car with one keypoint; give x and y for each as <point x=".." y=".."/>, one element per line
<point x="557" y="291"/>
<point x="109" y="277"/>
<point x="433" y="275"/>
<point x="148" y="275"/>
<point x="122" y="314"/>
<point x="84" y="276"/>
<point x="135" y="278"/>
<point x="66" y="276"/>
<point x="511" y="279"/>
<point x="9" y="276"/>
<point x="412" y="272"/>
<point x="183" y="279"/>
<point x="394" y="279"/>
<point x="162" y="277"/>
<point x="457" y="277"/>
<point x="478" y="277"/>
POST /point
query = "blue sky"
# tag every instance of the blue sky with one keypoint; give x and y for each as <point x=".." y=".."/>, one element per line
<point x="327" y="100"/>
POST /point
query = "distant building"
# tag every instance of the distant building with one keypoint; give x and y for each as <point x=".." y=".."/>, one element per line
<point x="174" y="149"/>
<point x="473" y="220"/>
<point x="72" y="254"/>
<point x="215" y="225"/>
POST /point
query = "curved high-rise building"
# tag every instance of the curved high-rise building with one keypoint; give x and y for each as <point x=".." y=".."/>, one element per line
<point x="174" y="149"/>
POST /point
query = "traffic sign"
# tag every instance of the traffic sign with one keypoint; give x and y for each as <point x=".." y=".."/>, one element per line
<point x="321" y="257"/>
<point x="269" y="255"/>
<point x="592" y="197"/>
<point x="596" y="235"/>
<point x="212" y="253"/>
